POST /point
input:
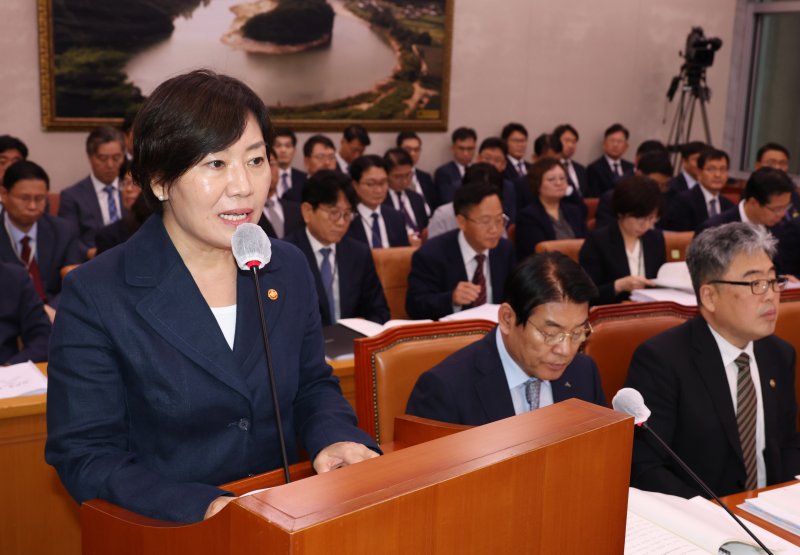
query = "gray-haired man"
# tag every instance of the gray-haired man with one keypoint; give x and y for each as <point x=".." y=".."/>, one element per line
<point x="721" y="386"/>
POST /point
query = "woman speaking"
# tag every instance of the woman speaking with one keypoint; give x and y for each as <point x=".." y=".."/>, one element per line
<point x="158" y="382"/>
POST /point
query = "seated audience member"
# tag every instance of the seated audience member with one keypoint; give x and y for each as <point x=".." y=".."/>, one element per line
<point x="690" y="172"/>
<point x="24" y="325"/>
<point x="610" y="167"/>
<point x="774" y="155"/>
<point x="543" y="148"/>
<point x="375" y="223"/>
<point x="137" y="212"/>
<point x="449" y="176"/>
<point x="422" y="180"/>
<point x="688" y="210"/>
<point x="352" y="145"/>
<point x="94" y="201"/>
<point x="626" y="254"/>
<point x="285" y="145"/>
<point x="344" y="273"/>
<point x="567" y="137"/>
<point x="646" y="147"/>
<point x="549" y="216"/>
<point x="127" y="132"/>
<point x="402" y="197"/>
<point x="32" y="238"/>
<point x="530" y="360"/>
<point x="721" y="386"/>
<point x="515" y="137"/>
<point x="280" y="216"/>
<point x="493" y="151"/>
<point x="11" y="150"/>
<point x="463" y="268"/>
<point x="318" y="154"/>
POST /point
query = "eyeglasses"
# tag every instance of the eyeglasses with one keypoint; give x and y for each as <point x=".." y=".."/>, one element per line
<point x="106" y="158"/>
<point x="758" y="286"/>
<point x="129" y="184"/>
<point x="324" y="157"/>
<point x="403" y="177"/>
<point x="577" y="336"/>
<point x="28" y="199"/>
<point x="335" y="214"/>
<point x="371" y="184"/>
<point x="489" y="222"/>
<point x="777" y="210"/>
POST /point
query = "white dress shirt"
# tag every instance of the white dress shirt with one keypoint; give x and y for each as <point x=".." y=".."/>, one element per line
<point x="708" y="196"/>
<point x="470" y="265"/>
<point x="102" y="197"/>
<point x="690" y="181"/>
<point x="17" y="235"/>
<point x="366" y="221"/>
<point x="316" y="246"/>
<point x="343" y="166"/>
<point x="518" y="164"/>
<point x="636" y="259"/>
<point x="516" y="378"/>
<point x="406" y="203"/>
<point x="418" y="189"/>
<point x="226" y="319"/>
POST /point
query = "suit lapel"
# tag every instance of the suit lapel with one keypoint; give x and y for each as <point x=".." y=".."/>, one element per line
<point x="699" y="202"/>
<point x="348" y="280"/>
<point x="616" y="249"/>
<point x="45" y="250"/>
<point x="497" y="271"/>
<point x="491" y="385"/>
<point x="770" y="384"/>
<point x="311" y="257"/>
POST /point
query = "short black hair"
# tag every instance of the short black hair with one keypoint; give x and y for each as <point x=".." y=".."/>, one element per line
<point x="482" y="171"/>
<point x="471" y="194"/>
<point x="405" y="135"/>
<point x="186" y="118"/>
<point x="314" y="140"/>
<point x="563" y="128"/>
<point x="463" y="133"/>
<point x="655" y="162"/>
<point x="692" y="148"/>
<point x="548" y="277"/>
<point x="555" y="144"/>
<point x="356" y="132"/>
<point x="617" y="128"/>
<point x="541" y="144"/>
<point x="396" y="157"/>
<point x="513" y="127"/>
<point x="761" y="151"/>
<point x="24" y="169"/>
<point x="7" y="142"/>
<point x="712" y="154"/>
<point x="766" y="182"/>
<point x="363" y="163"/>
<point x="637" y="196"/>
<point x="323" y="188"/>
<point x="102" y="135"/>
<point x="650" y="145"/>
<point x="286" y="132"/>
<point x="494" y="143"/>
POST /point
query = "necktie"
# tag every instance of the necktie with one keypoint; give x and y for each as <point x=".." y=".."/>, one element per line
<point x="521" y="168"/>
<point x="376" y="232"/>
<point x="274" y="217"/>
<point x="479" y="279"/>
<point x="326" y="273"/>
<point x="712" y="208"/>
<point x="617" y="170"/>
<point x="532" y="388"/>
<point x="113" y="215"/>
<point x="32" y="266"/>
<point x="409" y="220"/>
<point x="746" y="418"/>
<point x="284" y="183"/>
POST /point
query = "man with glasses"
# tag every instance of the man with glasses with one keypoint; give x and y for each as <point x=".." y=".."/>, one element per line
<point x="280" y="216"/>
<point x="347" y="285"/>
<point x="465" y="267"/>
<point x="530" y="360"/>
<point x="721" y="386"/>
<point x="318" y="154"/>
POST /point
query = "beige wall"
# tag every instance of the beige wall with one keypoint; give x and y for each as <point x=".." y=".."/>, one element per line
<point x="542" y="63"/>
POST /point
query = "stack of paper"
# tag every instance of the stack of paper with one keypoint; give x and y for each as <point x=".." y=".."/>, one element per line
<point x="21" y="379"/>
<point x="370" y="329"/>
<point x="780" y="507"/>
<point x="672" y="283"/>
<point x="483" y="312"/>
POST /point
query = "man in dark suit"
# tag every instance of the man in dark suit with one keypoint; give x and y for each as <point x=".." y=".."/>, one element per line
<point x="285" y="145"/>
<point x="23" y="321"/>
<point x="606" y="170"/>
<point x="375" y="224"/>
<point x="344" y="273"/>
<point x="493" y="151"/>
<point x="577" y="176"/>
<point x="690" y="209"/>
<point x="529" y="361"/>
<point x="690" y="173"/>
<point x="515" y="137"/>
<point x="352" y="145"/>
<point x="462" y="268"/>
<point x="721" y="386"/>
<point x="423" y="181"/>
<point x="448" y="176"/>
<point x="31" y="238"/>
<point x="401" y="196"/>
<point x="318" y="154"/>
<point x="11" y="150"/>
<point x="280" y="216"/>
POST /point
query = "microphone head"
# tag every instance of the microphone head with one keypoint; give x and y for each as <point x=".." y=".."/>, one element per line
<point x="630" y="401"/>
<point x="251" y="246"/>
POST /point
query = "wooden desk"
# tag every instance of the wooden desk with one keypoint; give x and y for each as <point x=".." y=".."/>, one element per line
<point x="733" y="500"/>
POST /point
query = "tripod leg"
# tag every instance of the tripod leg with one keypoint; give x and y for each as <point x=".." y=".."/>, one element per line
<point x="691" y="117"/>
<point x="705" y="120"/>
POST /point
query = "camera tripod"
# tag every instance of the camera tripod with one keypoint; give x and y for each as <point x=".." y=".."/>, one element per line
<point x="694" y="92"/>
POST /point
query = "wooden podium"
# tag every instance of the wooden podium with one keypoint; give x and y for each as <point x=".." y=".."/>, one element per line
<point x="550" y="481"/>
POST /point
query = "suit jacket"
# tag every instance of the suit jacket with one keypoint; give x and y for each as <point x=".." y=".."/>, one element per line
<point x="57" y="246"/>
<point x="447" y="179"/>
<point x="360" y="292"/>
<point x="583" y="177"/>
<point x="728" y="216"/>
<point x="511" y="172"/>
<point x="147" y="405"/>
<point x="395" y="228"/>
<point x="428" y="188"/>
<point x="604" y="259"/>
<point x="292" y="219"/>
<point x="438" y="266"/>
<point x="80" y="206"/>
<point x="601" y="178"/>
<point x="22" y="317"/>
<point x="534" y="225"/>
<point x="417" y="206"/>
<point x="295" y="193"/>
<point x="688" y="210"/>
<point x="681" y="377"/>
<point x="470" y="387"/>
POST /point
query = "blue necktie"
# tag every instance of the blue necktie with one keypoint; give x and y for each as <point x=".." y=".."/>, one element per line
<point x="284" y="183"/>
<point x="113" y="215"/>
<point x="326" y="273"/>
<point x="376" y="232"/>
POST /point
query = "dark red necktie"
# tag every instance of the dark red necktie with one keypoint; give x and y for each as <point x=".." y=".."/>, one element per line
<point x="479" y="279"/>
<point x="32" y="266"/>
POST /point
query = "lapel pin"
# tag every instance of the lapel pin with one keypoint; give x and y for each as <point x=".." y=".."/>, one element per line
<point x="272" y="295"/>
<point x="772" y="383"/>
<point x="567" y="384"/>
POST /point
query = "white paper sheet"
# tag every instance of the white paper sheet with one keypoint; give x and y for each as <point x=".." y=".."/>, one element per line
<point x="21" y="379"/>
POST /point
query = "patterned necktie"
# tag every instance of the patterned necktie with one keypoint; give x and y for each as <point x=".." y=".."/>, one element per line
<point x="479" y="279"/>
<point x="617" y="169"/>
<point x="32" y="266"/>
<point x="746" y="418"/>
<point x="377" y="243"/>
<point x="532" y="389"/>
<point x="274" y="217"/>
<point x="326" y="273"/>
<point x="403" y="210"/>
<point x="113" y="215"/>
<point x="521" y="168"/>
<point x="712" y="208"/>
<point x="284" y="183"/>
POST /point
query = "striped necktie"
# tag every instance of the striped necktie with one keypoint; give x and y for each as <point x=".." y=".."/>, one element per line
<point x="746" y="418"/>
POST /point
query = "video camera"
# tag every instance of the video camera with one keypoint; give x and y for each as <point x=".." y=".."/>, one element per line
<point x="700" y="49"/>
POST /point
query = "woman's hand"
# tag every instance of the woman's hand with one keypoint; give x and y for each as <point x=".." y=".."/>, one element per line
<point x="217" y="505"/>
<point x="340" y="454"/>
<point x="629" y="283"/>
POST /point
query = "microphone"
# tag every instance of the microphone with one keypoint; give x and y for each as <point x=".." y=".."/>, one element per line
<point x="252" y="251"/>
<point x="630" y="401"/>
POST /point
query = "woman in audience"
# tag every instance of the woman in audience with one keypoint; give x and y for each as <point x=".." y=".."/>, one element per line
<point x="626" y="254"/>
<point x="549" y="216"/>
<point x="137" y="212"/>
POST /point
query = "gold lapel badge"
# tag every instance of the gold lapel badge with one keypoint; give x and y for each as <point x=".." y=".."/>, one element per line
<point x="272" y="295"/>
<point x="772" y="383"/>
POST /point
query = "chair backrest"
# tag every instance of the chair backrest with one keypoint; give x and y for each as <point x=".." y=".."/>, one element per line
<point x="53" y="201"/>
<point x="393" y="266"/>
<point x="676" y="243"/>
<point x="387" y="367"/>
<point x="619" y="329"/>
<point x="570" y="247"/>
<point x="788" y="329"/>
<point x="591" y="208"/>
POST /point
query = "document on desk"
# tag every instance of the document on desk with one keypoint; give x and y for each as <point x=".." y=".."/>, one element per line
<point x="371" y="329"/>
<point x="485" y="311"/>
<point x="780" y="506"/>
<point x="21" y="379"/>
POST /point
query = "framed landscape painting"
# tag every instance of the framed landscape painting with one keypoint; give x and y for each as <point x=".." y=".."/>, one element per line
<point x="318" y="64"/>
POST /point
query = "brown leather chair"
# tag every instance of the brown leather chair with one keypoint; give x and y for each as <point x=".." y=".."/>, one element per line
<point x="53" y="201"/>
<point x="393" y="266"/>
<point x="788" y="329"/>
<point x="591" y="208"/>
<point x="570" y="247"/>
<point x="676" y="243"/>
<point x="387" y="367"/>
